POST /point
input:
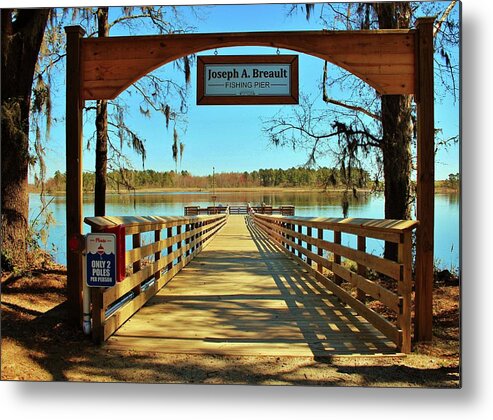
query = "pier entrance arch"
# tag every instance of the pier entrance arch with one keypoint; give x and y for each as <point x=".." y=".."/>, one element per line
<point x="393" y="62"/>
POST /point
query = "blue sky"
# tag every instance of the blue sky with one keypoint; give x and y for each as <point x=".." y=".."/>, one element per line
<point x="229" y="137"/>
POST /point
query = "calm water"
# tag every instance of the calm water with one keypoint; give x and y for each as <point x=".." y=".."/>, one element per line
<point x="307" y="204"/>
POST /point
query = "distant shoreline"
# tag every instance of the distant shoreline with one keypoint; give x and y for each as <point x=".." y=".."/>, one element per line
<point x="438" y="190"/>
<point x="216" y="190"/>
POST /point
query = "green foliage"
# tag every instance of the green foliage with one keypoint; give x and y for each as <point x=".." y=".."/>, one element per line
<point x="325" y="178"/>
<point x="13" y="125"/>
<point x="453" y="181"/>
<point x="36" y="237"/>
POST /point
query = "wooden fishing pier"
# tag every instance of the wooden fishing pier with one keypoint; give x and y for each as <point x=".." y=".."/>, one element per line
<point x="391" y="61"/>
<point x="256" y="285"/>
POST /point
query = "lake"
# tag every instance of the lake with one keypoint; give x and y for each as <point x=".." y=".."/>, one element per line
<point x="447" y="206"/>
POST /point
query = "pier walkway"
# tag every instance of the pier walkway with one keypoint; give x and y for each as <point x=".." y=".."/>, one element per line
<point x="242" y="296"/>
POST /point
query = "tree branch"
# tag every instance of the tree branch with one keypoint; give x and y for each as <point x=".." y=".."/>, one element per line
<point x="352" y="107"/>
<point x="327" y="99"/>
<point x="50" y="64"/>
<point x="443" y="18"/>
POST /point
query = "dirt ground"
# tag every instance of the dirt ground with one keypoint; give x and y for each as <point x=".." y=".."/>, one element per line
<point x="38" y="344"/>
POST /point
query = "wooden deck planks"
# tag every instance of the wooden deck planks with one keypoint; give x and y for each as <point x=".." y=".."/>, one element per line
<point x="241" y="296"/>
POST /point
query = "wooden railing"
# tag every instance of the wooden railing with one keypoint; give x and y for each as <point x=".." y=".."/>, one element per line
<point x="197" y="210"/>
<point x="323" y="259"/>
<point x="286" y="210"/>
<point x="282" y="210"/>
<point x="175" y="242"/>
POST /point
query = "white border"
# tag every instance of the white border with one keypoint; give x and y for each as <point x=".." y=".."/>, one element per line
<point x="125" y="401"/>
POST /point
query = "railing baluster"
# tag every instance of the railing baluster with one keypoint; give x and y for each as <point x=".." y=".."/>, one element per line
<point x="290" y="227"/>
<point x="299" y="240"/>
<point x="169" y="234"/>
<point x="292" y="238"/>
<point x="137" y="265"/>
<point x="187" y="241"/>
<point x="97" y="314"/>
<point x="281" y="225"/>
<point x="308" y="244"/>
<point x="199" y="243"/>
<point x="197" y="237"/>
<point x="337" y="258"/>
<point x="178" y="233"/>
<point x="320" y="252"/>
<point x="404" y="289"/>
<point x="157" y="255"/>
<point x="193" y="228"/>
<point x="360" y="295"/>
<point x="136" y="244"/>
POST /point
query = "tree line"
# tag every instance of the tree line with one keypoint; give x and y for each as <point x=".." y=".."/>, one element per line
<point x="293" y="177"/>
<point x="452" y="182"/>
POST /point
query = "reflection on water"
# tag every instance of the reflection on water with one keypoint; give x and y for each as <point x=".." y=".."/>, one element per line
<point x="304" y="199"/>
<point x="452" y="198"/>
<point x="306" y="203"/>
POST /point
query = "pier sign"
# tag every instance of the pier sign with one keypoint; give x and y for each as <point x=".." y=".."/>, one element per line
<point x="101" y="259"/>
<point x="247" y="80"/>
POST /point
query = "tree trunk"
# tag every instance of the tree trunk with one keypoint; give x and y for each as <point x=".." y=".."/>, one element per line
<point x="101" y="158"/>
<point x="101" y="133"/>
<point x="397" y="130"/>
<point x="21" y="41"/>
<point x="396" y="147"/>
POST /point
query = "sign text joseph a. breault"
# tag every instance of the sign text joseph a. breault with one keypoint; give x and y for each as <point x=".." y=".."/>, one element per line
<point x="247" y="80"/>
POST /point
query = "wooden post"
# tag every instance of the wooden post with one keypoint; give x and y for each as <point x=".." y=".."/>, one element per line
<point x="199" y="235"/>
<point x="404" y="289"/>
<point x="137" y="265"/>
<point x="360" y="295"/>
<point x="97" y="314"/>
<point x="337" y="258"/>
<point x="299" y="242"/>
<point x="308" y="244"/>
<point x="169" y="234"/>
<point x="136" y="244"/>
<point x="188" y="228"/>
<point x="73" y="139"/>
<point x="292" y="237"/>
<point x="157" y="255"/>
<point x="194" y="236"/>
<point x="425" y="179"/>
<point x="281" y="225"/>
<point x="320" y="252"/>
<point x="178" y="233"/>
<point x="286" y="235"/>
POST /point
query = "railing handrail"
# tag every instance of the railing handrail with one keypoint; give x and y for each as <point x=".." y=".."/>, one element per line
<point x="372" y="228"/>
<point x="103" y="222"/>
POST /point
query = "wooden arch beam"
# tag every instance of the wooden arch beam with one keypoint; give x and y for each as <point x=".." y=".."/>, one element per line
<point x="385" y="59"/>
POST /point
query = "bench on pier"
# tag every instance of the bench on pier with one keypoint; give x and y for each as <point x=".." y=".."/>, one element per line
<point x="197" y="210"/>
